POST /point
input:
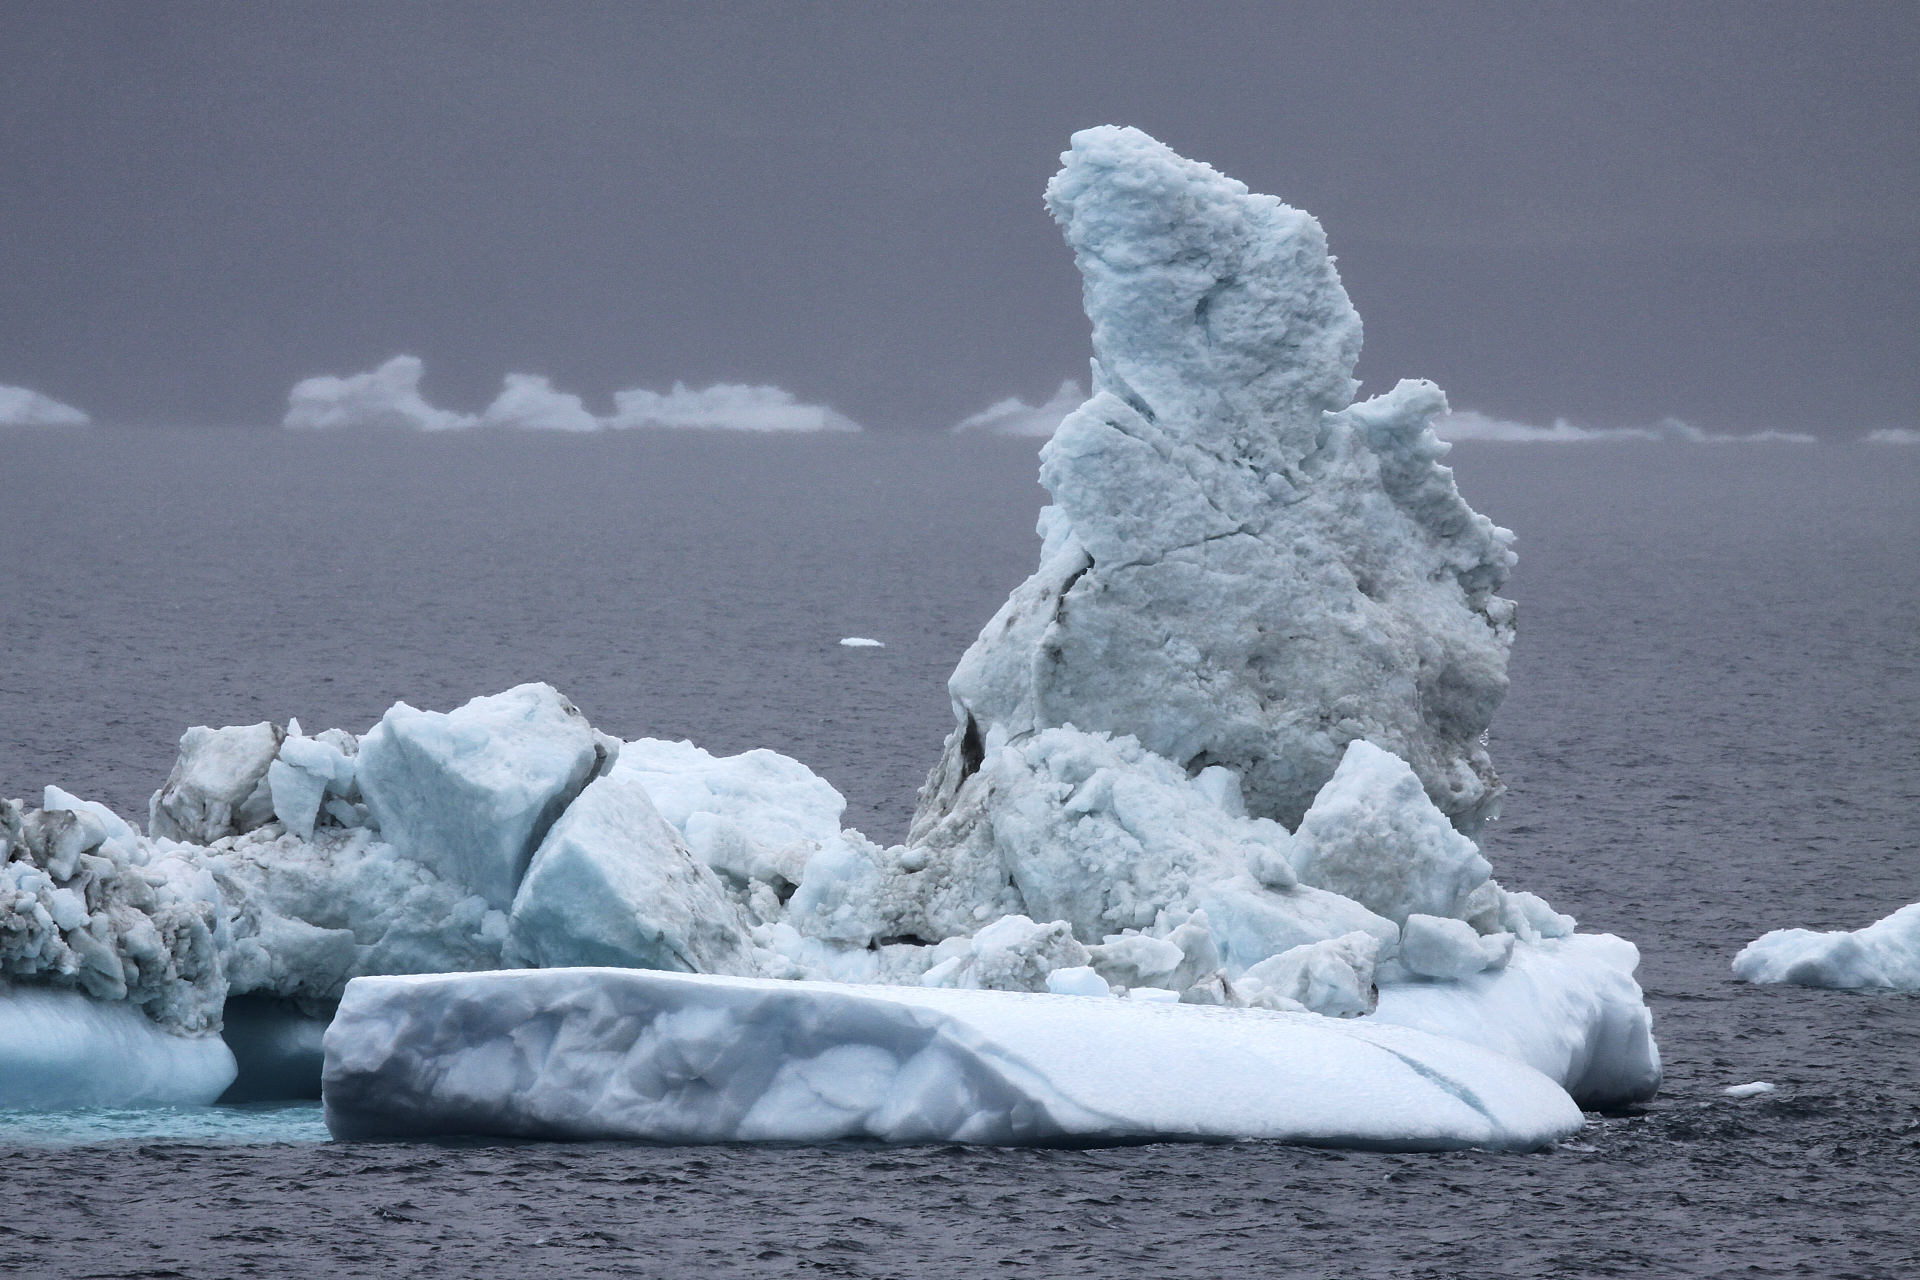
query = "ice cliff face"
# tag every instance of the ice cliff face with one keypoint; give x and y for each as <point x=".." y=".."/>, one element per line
<point x="1242" y="568"/>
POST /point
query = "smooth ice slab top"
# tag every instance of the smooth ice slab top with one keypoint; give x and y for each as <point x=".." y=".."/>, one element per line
<point x="685" y="1058"/>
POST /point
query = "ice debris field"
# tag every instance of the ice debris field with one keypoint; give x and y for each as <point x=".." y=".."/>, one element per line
<point x="1196" y="862"/>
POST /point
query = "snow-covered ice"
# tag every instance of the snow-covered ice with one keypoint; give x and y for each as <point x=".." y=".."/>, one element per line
<point x="620" y="1053"/>
<point x="1884" y="954"/>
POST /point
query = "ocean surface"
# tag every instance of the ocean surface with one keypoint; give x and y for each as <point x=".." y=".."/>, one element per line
<point x="1713" y="730"/>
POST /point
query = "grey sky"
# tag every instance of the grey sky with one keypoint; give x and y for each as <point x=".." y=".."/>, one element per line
<point x="1609" y="212"/>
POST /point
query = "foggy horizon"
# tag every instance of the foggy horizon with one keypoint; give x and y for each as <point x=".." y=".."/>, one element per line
<point x="1705" y="212"/>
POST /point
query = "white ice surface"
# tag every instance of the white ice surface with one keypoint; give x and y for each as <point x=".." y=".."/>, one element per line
<point x="1884" y="954"/>
<point x="1369" y="836"/>
<point x="613" y="884"/>
<point x="755" y="816"/>
<point x="636" y="1054"/>
<point x="1567" y="1007"/>
<point x="470" y="793"/>
<point x="61" y="1049"/>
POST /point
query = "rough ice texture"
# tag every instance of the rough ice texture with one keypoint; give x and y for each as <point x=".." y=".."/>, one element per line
<point x="1242" y="568"/>
<point x="61" y="1049"/>
<point x="1884" y="954"/>
<point x="471" y="792"/>
<point x="87" y="906"/>
<point x="1368" y="837"/>
<point x="620" y="1053"/>
<point x="613" y="884"/>
<point x="218" y="786"/>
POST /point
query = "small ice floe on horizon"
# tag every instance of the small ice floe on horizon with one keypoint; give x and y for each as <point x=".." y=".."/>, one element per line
<point x="1015" y="417"/>
<point x="862" y="642"/>
<point x="389" y="397"/>
<point x="1752" y="1090"/>
<point x="21" y="407"/>
<point x="1884" y="954"/>
<point x="1892" y="435"/>
<point x="1468" y="424"/>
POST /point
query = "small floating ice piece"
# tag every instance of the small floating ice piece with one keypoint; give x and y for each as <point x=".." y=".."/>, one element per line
<point x="1753" y="1090"/>
<point x="862" y="642"/>
<point x="695" y="1058"/>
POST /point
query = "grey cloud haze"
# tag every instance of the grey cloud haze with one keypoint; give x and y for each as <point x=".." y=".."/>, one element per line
<point x="1611" y="214"/>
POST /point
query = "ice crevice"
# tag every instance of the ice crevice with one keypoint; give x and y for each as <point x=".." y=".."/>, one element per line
<point x="1198" y="858"/>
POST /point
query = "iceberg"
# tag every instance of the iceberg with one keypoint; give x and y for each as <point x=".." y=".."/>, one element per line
<point x="1198" y="860"/>
<point x="1305" y="574"/>
<point x="1884" y="954"/>
<point x="622" y="1053"/>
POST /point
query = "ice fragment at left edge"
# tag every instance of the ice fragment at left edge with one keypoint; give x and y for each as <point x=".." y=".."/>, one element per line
<point x="1884" y="954"/>
<point x="613" y="884"/>
<point x="470" y="793"/>
<point x="683" y="1058"/>
<point x="64" y="1049"/>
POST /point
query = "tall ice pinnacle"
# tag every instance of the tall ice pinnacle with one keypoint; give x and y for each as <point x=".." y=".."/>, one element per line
<point x="1242" y="567"/>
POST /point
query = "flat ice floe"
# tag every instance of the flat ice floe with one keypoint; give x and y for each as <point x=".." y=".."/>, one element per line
<point x="622" y="1053"/>
<point x="1884" y="954"/>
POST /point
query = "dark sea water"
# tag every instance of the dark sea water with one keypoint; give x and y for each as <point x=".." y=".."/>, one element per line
<point x="1714" y="730"/>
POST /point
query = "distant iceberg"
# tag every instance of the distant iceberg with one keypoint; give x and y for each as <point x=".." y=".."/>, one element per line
<point x="1015" y="417"/>
<point x="389" y="397"/>
<point x="724" y="407"/>
<point x="1466" y="424"/>
<point x="1884" y="954"/>
<point x="20" y="407"/>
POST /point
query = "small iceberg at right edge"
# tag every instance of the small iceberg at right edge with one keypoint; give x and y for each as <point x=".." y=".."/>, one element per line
<point x="1884" y="954"/>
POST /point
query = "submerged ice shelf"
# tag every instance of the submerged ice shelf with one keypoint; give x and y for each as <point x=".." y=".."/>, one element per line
<point x="1223" y="750"/>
